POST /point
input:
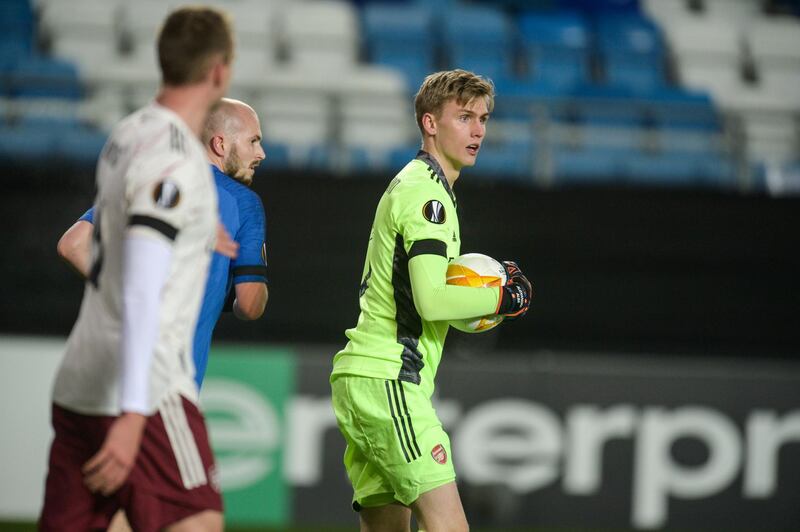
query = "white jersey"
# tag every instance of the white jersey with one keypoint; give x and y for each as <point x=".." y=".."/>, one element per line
<point x="153" y="178"/>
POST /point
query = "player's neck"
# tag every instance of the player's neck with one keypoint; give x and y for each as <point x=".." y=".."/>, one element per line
<point x="190" y="103"/>
<point x="449" y="171"/>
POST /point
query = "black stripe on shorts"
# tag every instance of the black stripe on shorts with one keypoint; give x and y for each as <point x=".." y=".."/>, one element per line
<point x="402" y="421"/>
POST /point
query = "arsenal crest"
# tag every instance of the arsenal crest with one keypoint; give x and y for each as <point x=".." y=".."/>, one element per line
<point x="439" y="454"/>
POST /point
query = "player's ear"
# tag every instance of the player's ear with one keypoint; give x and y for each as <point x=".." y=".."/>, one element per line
<point x="429" y="123"/>
<point x="218" y="145"/>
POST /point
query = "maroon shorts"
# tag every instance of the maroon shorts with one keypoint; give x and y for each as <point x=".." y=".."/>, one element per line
<point x="173" y="478"/>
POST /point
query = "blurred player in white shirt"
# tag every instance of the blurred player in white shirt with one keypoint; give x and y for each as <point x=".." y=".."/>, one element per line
<point x="128" y="433"/>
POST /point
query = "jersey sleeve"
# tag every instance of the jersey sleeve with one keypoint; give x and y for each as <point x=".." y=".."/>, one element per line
<point x="436" y="300"/>
<point x="420" y="215"/>
<point x="157" y="196"/>
<point x="250" y="266"/>
<point x="88" y="216"/>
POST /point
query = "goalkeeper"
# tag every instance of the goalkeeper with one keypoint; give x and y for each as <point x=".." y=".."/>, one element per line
<point x="398" y="456"/>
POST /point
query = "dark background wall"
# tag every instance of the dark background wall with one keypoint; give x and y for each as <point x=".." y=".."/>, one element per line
<point x="641" y="270"/>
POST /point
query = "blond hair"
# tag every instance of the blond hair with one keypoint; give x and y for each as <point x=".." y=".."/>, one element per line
<point x="459" y="85"/>
<point x="190" y="39"/>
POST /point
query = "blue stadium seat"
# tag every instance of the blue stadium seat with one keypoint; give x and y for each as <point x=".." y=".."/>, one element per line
<point x="680" y="169"/>
<point x="479" y="39"/>
<point x="504" y="163"/>
<point x="82" y="146"/>
<point x="26" y="144"/>
<point x="632" y="51"/>
<point x="402" y="37"/>
<point x="678" y="108"/>
<point x="277" y="155"/>
<point x="16" y="23"/>
<point x="555" y="46"/>
<point x="601" y="6"/>
<point x="37" y="76"/>
<point x="588" y="165"/>
<point x="399" y="157"/>
<point x="607" y="106"/>
<point x="60" y="125"/>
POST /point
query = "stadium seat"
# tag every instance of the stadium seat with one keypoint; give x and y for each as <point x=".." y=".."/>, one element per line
<point x="677" y="108"/>
<point x="16" y="24"/>
<point x="680" y="169"/>
<point x="600" y="6"/>
<point x="82" y="17"/>
<point x="504" y="163"/>
<point x="570" y="166"/>
<point x="738" y="13"/>
<point x="767" y="122"/>
<point x="555" y="47"/>
<point x="37" y="76"/>
<point x="139" y="24"/>
<point x="85" y="32"/>
<point x="257" y="28"/>
<point x="707" y="53"/>
<point x="631" y="50"/>
<point x="775" y="46"/>
<point x="25" y="144"/>
<point x="276" y="155"/>
<point x="321" y="34"/>
<point x="665" y="12"/>
<point x="82" y="146"/>
<point x="402" y="37"/>
<point x="479" y="39"/>
<point x="295" y="107"/>
<point x="607" y="106"/>
<point x="374" y="109"/>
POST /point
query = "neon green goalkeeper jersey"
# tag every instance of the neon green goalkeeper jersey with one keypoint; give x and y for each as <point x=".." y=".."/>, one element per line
<point x="415" y="222"/>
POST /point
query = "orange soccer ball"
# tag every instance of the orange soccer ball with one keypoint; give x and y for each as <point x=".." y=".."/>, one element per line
<point x="476" y="270"/>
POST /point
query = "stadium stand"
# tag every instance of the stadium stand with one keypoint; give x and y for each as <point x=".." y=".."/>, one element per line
<point x="632" y="92"/>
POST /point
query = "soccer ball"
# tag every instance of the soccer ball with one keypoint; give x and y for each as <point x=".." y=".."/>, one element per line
<point x="476" y="270"/>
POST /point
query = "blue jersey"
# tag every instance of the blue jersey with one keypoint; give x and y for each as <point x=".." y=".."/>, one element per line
<point x="242" y="214"/>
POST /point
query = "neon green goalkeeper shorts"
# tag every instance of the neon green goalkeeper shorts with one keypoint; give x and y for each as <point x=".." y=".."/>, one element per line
<point x="396" y="447"/>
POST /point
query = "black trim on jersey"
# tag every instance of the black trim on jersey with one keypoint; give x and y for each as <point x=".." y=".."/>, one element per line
<point x="250" y="270"/>
<point x="402" y="420"/>
<point x="154" y="223"/>
<point x="429" y="246"/>
<point x="176" y="139"/>
<point x="436" y="171"/>
<point x="409" y="322"/>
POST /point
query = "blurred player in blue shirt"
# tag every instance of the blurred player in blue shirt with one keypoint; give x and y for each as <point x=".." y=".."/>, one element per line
<point x="232" y="138"/>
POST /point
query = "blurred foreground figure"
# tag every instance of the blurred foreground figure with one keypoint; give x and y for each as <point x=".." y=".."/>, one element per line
<point x="128" y="433"/>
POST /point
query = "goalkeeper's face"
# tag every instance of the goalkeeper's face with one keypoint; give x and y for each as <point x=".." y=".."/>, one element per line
<point x="245" y="152"/>
<point x="460" y="131"/>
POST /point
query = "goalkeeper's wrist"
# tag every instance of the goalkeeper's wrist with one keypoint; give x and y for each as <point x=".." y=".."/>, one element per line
<point x="508" y="303"/>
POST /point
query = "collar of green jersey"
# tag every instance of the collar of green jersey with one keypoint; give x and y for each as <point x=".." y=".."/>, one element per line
<point x="436" y="171"/>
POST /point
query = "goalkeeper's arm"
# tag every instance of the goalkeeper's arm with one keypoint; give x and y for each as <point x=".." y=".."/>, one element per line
<point x="435" y="300"/>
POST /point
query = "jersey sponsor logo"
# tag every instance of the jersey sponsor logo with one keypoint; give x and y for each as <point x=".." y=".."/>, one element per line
<point x="167" y="194"/>
<point x="433" y="211"/>
<point x="439" y="454"/>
